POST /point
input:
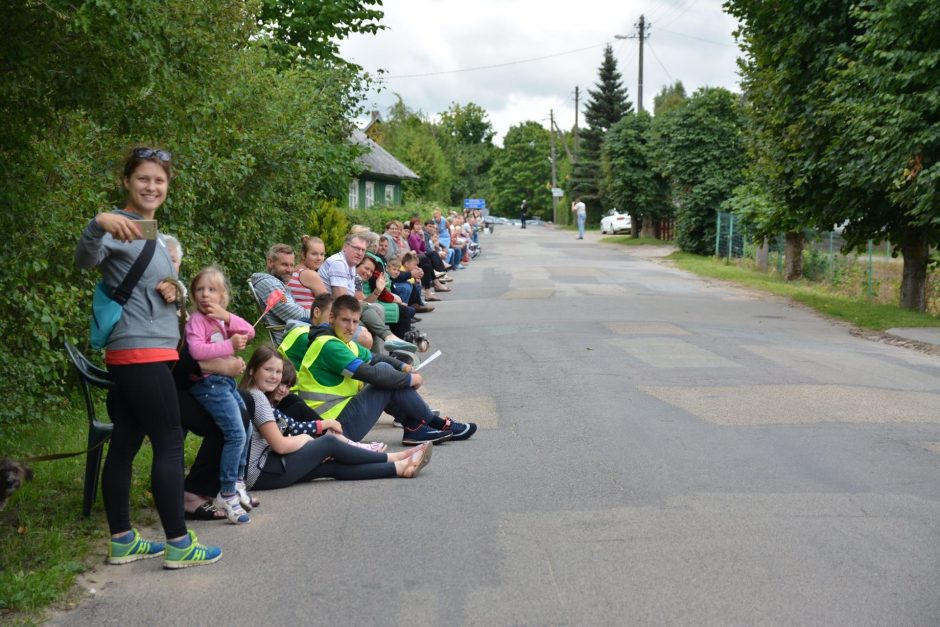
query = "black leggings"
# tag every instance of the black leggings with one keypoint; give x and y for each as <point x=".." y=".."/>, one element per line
<point x="349" y="463"/>
<point x="144" y="402"/>
<point x="405" y="314"/>
<point x="425" y="264"/>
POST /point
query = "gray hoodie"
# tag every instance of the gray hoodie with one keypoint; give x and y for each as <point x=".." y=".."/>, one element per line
<point x="148" y="321"/>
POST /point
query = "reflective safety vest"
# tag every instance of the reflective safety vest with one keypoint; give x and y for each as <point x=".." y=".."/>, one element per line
<point x="287" y="349"/>
<point x="329" y="401"/>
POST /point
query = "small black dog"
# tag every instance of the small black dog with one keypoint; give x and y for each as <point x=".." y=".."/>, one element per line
<point x="12" y="476"/>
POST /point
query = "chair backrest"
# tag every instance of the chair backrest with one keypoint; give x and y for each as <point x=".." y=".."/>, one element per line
<point x="88" y="374"/>
<point x="271" y="328"/>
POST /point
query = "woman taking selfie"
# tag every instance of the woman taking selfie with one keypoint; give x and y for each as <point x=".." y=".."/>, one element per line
<point x="139" y="353"/>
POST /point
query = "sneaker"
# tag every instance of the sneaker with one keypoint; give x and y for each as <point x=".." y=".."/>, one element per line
<point x="248" y="502"/>
<point x="395" y="423"/>
<point x="136" y="549"/>
<point x="400" y="345"/>
<point x="461" y="430"/>
<point x="425" y="433"/>
<point x="193" y="554"/>
<point x="231" y="505"/>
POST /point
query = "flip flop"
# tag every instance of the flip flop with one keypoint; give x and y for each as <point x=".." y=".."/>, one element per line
<point x="206" y="511"/>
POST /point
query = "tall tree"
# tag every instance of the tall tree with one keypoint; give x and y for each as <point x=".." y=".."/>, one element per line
<point x="633" y="183"/>
<point x="606" y="104"/>
<point x="886" y="96"/>
<point x="466" y="136"/>
<point x="522" y="171"/>
<point x="668" y="97"/>
<point x="845" y="113"/>
<point x="411" y="138"/>
<point x="307" y="30"/>
<point x="699" y="149"/>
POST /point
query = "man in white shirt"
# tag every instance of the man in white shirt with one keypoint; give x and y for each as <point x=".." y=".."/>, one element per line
<point x="578" y="207"/>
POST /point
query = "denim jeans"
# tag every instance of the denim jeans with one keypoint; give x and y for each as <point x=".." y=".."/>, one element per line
<point x="581" y="218"/>
<point x="403" y="291"/>
<point x="363" y="411"/>
<point x="218" y="396"/>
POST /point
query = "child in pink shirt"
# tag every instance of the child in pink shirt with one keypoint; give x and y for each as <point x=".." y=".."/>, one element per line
<point x="211" y="332"/>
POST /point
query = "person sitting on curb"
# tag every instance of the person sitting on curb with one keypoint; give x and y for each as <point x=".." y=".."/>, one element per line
<point x="344" y="381"/>
<point x="338" y="273"/>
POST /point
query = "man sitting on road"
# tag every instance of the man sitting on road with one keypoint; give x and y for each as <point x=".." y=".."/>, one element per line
<point x="343" y="381"/>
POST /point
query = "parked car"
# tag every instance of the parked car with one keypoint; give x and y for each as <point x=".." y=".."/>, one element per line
<point x="615" y="222"/>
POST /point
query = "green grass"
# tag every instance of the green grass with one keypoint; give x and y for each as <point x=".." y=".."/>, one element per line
<point x="818" y="296"/>
<point x="629" y="240"/>
<point x="44" y="540"/>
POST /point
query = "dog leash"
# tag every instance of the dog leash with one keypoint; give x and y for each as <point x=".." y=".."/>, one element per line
<point x="51" y="456"/>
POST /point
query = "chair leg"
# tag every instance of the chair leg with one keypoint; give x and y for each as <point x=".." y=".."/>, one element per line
<point x="96" y="435"/>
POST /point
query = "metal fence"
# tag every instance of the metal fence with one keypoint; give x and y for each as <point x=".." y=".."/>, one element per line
<point x="871" y="273"/>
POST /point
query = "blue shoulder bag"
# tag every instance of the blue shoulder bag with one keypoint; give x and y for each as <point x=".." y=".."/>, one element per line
<point x="107" y="305"/>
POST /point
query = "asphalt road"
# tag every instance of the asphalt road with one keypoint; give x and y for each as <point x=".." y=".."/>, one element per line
<point x="653" y="449"/>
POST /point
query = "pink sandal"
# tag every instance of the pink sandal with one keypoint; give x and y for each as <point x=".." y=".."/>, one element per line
<point x="377" y="447"/>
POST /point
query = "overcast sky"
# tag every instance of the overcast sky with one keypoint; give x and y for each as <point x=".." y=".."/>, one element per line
<point x="436" y="52"/>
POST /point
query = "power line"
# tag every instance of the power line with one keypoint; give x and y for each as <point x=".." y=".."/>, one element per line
<point x="498" y="65"/>
<point x="710" y="41"/>
<point x="656" y="56"/>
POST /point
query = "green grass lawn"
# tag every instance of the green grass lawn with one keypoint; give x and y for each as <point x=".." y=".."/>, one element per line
<point x="819" y="296"/>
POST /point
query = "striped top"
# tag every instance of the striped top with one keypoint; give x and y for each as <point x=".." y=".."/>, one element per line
<point x="303" y="296"/>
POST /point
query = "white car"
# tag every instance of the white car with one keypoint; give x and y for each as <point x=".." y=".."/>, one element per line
<point x="615" y="222"/>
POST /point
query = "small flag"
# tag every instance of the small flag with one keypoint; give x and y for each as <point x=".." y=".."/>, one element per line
<point x="275" y="297"/>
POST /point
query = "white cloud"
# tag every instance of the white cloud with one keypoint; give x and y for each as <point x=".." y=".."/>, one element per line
<point x="690" y="40"/>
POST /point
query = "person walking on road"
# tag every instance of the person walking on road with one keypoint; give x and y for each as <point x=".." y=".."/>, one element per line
<point x="577" y="207"/>
<point x="524" y="211"/>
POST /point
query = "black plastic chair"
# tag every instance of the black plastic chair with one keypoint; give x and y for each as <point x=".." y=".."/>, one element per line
<point x="98" y="432"/>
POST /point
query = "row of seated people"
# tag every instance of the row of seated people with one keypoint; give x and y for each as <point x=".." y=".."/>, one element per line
<point x="312" y="385"/>
<point x="394" y="277"/>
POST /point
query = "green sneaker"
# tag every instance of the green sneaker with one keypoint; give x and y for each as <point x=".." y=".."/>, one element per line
<point x="136" y="549"/>
<point x="193" y="554"/>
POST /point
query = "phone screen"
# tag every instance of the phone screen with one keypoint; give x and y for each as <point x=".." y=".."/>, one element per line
<point x="148" y="229"/>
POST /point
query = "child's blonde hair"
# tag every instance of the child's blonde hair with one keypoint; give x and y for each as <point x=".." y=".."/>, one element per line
<point x="394" y="261"/>
<point x="212" y="273"/>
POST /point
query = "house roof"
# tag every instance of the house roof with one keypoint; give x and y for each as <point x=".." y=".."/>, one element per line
<point x="379" y="161"/>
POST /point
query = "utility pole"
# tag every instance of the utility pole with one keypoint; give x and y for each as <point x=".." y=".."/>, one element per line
<point x="641" y="30"/>
<point x="551" y="115"/>
<point x="576" y="109"/>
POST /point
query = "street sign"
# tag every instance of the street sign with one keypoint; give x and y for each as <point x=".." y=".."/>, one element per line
<point x="474" y="203"/>
<point x="557" y="192"/>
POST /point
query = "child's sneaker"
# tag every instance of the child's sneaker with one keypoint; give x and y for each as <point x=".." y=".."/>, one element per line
<point x="248" y="502"/>
<point x="231" y="505"/>
<point x="193" y="554"/>
<point x="136" y="549"/>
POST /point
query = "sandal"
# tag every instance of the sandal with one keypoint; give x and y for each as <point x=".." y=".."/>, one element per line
<point x="418" y="460"/>
<point x="205" y="511"/>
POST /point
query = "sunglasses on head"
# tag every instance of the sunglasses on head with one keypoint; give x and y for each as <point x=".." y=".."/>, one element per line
<point x="147" y="153"/>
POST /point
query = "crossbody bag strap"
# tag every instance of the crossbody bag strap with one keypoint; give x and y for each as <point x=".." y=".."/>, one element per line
<point x="123" y="291"/>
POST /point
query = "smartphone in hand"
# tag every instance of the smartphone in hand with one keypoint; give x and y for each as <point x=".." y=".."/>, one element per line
<point x="148" y="228"/>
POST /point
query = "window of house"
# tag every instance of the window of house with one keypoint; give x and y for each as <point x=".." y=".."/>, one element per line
<point x="370" y="194"/>
<point x="354" y="194"/>
<point x="389" y="194"/>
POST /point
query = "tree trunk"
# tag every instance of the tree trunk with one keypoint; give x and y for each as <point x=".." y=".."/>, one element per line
<point x="914" y="282"/>
<point x="763" y="255"/>
<point x="793" y="256"/>
<point x="648" y="228"/>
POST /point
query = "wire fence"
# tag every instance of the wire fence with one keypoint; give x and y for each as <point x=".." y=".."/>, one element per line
<point x="872" y="273"/>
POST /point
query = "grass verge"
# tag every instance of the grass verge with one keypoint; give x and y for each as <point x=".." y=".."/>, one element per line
<point x="863" y="314"/>
<point x="629" y="240"/>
